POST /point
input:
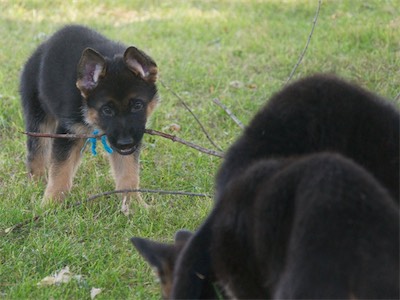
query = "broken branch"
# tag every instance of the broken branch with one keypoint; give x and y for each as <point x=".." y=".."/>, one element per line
<point x="148" y="131"/>
<point x="189" y="144"/>
<point x="161" y="192"/>
<point x="229" y="112"/>
<point x="192" y="113"/>
<point x="37" y="218"/>
<point x="308" y="42"/>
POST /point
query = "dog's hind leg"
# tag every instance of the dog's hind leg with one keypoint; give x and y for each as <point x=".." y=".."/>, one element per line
<point x="125" y="169"/>
<point x="38" y="148"/>
<point x="64" y="163"/>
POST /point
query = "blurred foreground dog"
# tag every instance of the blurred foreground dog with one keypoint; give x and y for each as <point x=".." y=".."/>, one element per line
<point x="78" y="81"/>
<point x="319" y="227"/>
<point x="292" y="220"/>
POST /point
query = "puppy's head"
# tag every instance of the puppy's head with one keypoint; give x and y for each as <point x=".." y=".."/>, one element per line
<point x="119" y="95"/>
<point x="162" y="257"/>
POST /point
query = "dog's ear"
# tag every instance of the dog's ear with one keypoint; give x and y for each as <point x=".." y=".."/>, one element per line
<point x="182" y="236"/>
<point x="141" y="64"/>
<point x="156" y="254"/>
<point x="91" y="67"/>
<point x="161" y="257"/>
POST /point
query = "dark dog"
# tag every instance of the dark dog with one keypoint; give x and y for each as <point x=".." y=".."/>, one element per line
<point x="318" y="113"/>
<point x="317" y="227"/>
<point x="320" y="227"/>
<point x="78" y="81"/>
<point x="322" y="113"/>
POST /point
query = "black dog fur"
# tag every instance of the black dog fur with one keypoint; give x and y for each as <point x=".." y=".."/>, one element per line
<point x="318" y="113"/>
<point x="314" y="114"/>
<point x="320" y="227"/>
<point x="322" y="113"/>
<point x="78" y="81"/>
<point x="316" y="227"/>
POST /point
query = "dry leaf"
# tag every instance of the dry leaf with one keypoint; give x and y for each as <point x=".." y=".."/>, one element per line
<point x="236" y="84"/>
<point x="94" y="292"/>
<point x="62" y="276"/>
<point x="252" y="86"/>
<point x="174" y="127"/>
<point x="9" y="229"/>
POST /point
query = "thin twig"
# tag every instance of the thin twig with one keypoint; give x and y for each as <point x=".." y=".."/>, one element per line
<point x="192" y="113"/>
<point x="229" y="112"/>
<point x="161" y="192"/>
<point x="308" y="42"/>
<point x="91" y="198"/>
<point x="22" y="224"/>
<point x="62" y="135"/>
<point x="148" y="131"/>
<point x="189" y="144"/>
<point x="397" y="98"/>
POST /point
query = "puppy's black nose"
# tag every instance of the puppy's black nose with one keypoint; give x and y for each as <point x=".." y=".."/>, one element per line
<point x="126" y="142"/>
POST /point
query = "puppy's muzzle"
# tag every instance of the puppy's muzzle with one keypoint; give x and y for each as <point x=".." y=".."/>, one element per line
<point x="125" y="146"/>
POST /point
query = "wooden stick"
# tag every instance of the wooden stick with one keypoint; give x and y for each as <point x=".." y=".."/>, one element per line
<point x="308" y="42"/>
<point x="148" y="131"/>
<point x="161" y="192"/>
<point x="229" y="112"/>
<point x="397" y="98"/>
<point x="189" y="144"/>
<point x="192" y="113"/>
<point x="37" y="218"/>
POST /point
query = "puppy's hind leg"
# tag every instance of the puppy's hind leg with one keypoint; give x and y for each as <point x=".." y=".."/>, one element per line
<point x="125" y="170"/>
<point x="38" y="149"/>
<point x="65" y="159"/>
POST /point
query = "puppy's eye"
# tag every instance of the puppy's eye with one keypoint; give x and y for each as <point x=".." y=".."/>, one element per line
<point x="107" y="111"/>
<point x="136" y="105"/>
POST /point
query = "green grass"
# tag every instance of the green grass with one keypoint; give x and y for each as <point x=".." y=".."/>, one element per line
<point x="200" y="47"/>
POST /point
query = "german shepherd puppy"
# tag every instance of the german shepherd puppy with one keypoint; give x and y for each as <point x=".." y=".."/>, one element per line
<point x="79" y="81"/>
<point x="315" y="114"/>
<point x="318" y="227"/>
<point x="322" y="113"/>
<point x="315" y="227"/>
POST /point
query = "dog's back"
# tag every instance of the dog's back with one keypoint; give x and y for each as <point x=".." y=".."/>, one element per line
<point x="319" y="228"/>
<point x="322" y="113"/>
<point x="318" y="113"/>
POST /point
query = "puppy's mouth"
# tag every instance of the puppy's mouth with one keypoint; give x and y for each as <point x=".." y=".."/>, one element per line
<point x="126" y="149"/>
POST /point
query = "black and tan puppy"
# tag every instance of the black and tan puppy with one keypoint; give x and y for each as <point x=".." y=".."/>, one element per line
<point x="79" y="81"/>
<point x="315" y="227"/>
<point x="315" y="114"/>
<point x="322" y="113"/>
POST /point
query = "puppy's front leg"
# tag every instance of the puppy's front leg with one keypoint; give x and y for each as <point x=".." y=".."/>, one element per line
<point x="125" y="169"/>
<point x="65" y="158"/>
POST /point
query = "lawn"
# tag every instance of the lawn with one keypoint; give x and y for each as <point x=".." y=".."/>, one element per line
<point x="238" y="51"/>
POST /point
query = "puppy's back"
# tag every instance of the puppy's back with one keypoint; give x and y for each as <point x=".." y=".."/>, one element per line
<point x="322" y="113"/>
<point x="319" y="227"/>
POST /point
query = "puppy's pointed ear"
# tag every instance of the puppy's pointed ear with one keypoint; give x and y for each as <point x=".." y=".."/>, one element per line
<point x="156" y="254"/>
<point x="182" y="236"/>
<point x="161" y="257"/>
<point x="141" y="64"/>
<point x="91" y="67"/>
